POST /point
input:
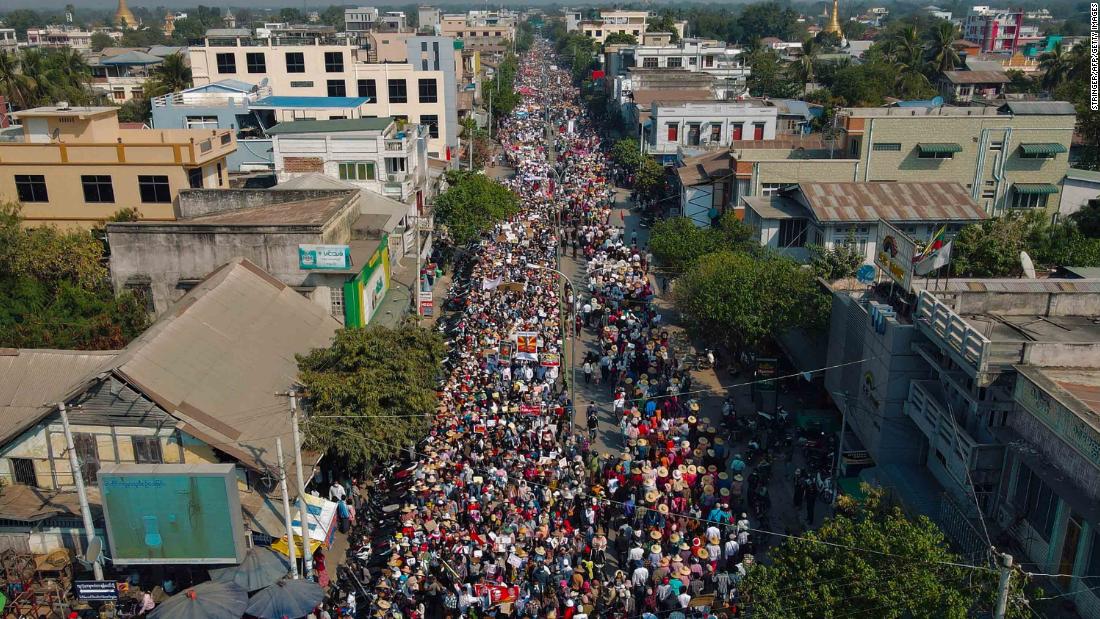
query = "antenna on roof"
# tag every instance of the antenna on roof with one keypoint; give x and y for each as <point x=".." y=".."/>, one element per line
<point x="1028" y="265"/>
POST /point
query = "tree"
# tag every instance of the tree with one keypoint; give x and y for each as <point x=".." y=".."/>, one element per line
<point x="472" y="204"/>
<point x="17" y="85"/>
<point x="135" y="111"/>
<point x="1087" y="219"/>
<point x="992" y="248"/>
<point x="188" y="29"/>
<point x="663" y="23"/>
<point x="769" y="76"/>
<point x="768" y="19"/>
<point x="738" y="300"/>
<point x="101" y="40"/>
<point x="833" y="263"/>
<point x="173" y="74"/>
<point x="54" y="291"/>
<point x="678" y="242"/>
<point x="649" y="180"/>
<point x="941" y="48"/>
<point x="371" y="393"/>
<point x="625" y="153"/>
<point x="621" y="38"/>
<point x="804" y="66"/>
<point x="1021" y="83"/>
<point x="864" y="84"/>
<point x="871" y="560"/>
<point x="826" y="40"/>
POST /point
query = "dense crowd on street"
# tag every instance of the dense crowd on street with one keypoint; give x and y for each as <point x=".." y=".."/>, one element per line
<point x="512" y="511"/>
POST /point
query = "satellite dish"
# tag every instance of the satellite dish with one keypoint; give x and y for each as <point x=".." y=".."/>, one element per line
<point x="865" y="274"/>
<point x="263" y="83"/>
<point x="95" y="550"/>
<point x="1028" y="265"/>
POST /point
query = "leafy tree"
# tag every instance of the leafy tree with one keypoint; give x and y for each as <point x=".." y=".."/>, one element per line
<point x="291" y="15"/>
<point x="135" y="111"/>
<point x="371" y="393"/>
<point x="54" y="291"/>
<point x="864" y="84"/>
<point x="101" y="40"/>
<point x="833" y="263"/>
<point x="803" y="68"/>
<point x="625" y="153"/>
<point x="188" y="29"/>
<point x="623" y="38"/>
<point x="768" y="19"/>
<point x="649" y="179"/>
<point x="825" y="39"/>
<point x="739" y="300"/>
<point x="678" y="242"/>
<point x="663" y="23"/>
<point x="872" y="560"/>
<point x="171" y="75"/>
<point x="941" y="49"/>
<point x="769" y="76"/>
<point x="1021" y="83"/>
<point x="992" y="248"/>
<point x="472" y="204"/>
<point x="1087" y="219"/>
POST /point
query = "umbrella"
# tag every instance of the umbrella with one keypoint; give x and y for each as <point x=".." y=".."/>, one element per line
<point x="261" y="567"/>
<point x="210" y="600"/>
<point x="286" y="598"/>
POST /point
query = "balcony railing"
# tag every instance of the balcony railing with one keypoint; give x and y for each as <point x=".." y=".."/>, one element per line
<point x="952" y="329"/>
<point x="209" y="99"/>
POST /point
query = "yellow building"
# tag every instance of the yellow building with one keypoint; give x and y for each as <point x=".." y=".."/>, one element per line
<point x="75" y="166"/>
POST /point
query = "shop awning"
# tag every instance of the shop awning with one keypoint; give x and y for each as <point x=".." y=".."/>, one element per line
<point x="939" y="147"/>
<point x="1042" y="148"/>
<point x="1035" y="188"/>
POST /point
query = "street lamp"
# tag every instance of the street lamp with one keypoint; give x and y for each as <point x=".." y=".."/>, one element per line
<point x="565" y="330"/>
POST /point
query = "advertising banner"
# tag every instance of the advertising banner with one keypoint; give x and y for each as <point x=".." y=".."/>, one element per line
<point x="321" y="257"/>
<point x="894" y="253"/>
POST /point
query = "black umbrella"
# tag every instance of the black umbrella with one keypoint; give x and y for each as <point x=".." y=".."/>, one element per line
<point x="261" y="567"/>
<point x="210" y="600"/>
<point x="286" y="599"/>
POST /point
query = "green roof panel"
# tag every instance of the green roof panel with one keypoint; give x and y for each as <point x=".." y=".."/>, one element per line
<point x="1042" y="148"/>
<point x="939" y="147"/>
<point x="1035" y="188"/>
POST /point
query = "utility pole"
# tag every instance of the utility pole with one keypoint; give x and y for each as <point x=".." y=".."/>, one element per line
<point x="840" y="445"/>
<point x="286" y="511"/>
<point x="303" y="511"/>
<point x="81" y="493"/>
<point x="1003" y="586"/>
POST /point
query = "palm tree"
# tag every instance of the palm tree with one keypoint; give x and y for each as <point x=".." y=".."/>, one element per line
<point x="73" y="74"/>
<point x="941" y="48"/>
<point x="909" y="63"/>
<point x="1060" y="65"/>
<point x="804" y="68"/>
<point x="171" y="75"/>
<point x="13" y="82"/>
<point x="35" y="66"/>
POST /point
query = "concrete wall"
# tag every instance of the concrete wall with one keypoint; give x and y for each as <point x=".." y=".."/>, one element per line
<point x="1027" y="304"/>
<point x="250" y="154"/>
<point x="1076" y="194"/>
<point x="725" y="115"/>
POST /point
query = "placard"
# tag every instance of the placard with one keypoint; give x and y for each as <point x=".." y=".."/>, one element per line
<point x="97" y="590"/>
<point x="894" y="253"/>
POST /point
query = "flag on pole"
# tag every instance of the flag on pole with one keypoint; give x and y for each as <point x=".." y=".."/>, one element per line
<point x="930" y="262"/>
<point x="933" y="245"/>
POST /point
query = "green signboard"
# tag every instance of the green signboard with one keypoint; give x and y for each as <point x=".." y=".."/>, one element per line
<point x="172" y="513"/>
<point x="320" y="257"/>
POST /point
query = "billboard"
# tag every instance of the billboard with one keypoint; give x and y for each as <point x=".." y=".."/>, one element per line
<point x="894" y="253"/>
<point x="172" y="513"/>
<point x="320" y="257"/>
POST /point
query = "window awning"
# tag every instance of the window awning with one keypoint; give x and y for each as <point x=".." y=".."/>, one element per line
<point x="1035" y="188"/>
<point x="1042" y="148"/>
<point x="939" y="147"/>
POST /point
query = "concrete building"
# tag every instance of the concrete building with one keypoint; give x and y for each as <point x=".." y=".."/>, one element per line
<point x="8" y="40"/>
<point x="634" y="23"/>
<point x="995" y="30"/>
<point x="690" y="127"/>
<point x="704" y="183"/>
<point x="966" y="86"/>
<point x="489" y="31"/>
<point x="415" y="90"/>
<point x="834" y="214"/>
<point x="75" y="167"/>
<point x="573" y="19"/>
<point x="122" y="76"/>
<point x="277" y="229"/>
<point x="1080" y="188"/>
<point x="725" y="63"/>
<point x="429" y="20"/>
<point x="361" y="19"/>
<point x="59" y="37"/>
<point x="375" y="154"/>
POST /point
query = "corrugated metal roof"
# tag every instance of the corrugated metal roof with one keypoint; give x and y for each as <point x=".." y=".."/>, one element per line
<point x="32" y="381"/>
<point x="890" y="201"/>
<point x="1041" y="108"/>
<point x="1009" y="285"/>
<point x="976" y="77"/>
<point x="1083" y="175"/>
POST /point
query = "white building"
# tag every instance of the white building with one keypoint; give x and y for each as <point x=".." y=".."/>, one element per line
<point x="376" y="154"/>
<point x="834" y="214"/>
<point x="621" y="22"/>
<point x="1079" y="188"/>
<point x="692" y="127"/>
<point x="726" y="63"/>
<point x="59" y="37"/>
<point x="361" y="19"/>
<point x="8" y="40"/>
<point x="428" y="19"/>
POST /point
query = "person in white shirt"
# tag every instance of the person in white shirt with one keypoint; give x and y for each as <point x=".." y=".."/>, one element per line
<point x="336" y="492"/>
<point x="640" y="576"/>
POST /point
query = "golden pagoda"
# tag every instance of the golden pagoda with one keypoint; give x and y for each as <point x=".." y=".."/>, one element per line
<point x="169" y="23"/>
<point x="834" y="21"/>
<point x="123" y="17"/>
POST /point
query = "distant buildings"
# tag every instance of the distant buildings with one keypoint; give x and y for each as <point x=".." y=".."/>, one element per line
<point x="995" y="30"/>
<point x="634" y="23"/>
<point x="481" y="30"/>
<point x="59" y="37"/>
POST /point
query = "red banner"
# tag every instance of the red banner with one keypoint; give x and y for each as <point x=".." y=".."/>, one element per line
<point x="498" y="594"/>
<point x="597" y="74"/>
<point x="530" y="409"/>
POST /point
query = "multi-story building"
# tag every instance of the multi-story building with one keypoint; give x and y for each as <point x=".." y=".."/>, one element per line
<point x="122" y="76"/>
<point x="995" y="30"/>
<point x="725" y="63"/>
<point x="394" y="21"/>
<point x="573" y="19"/>
<point x="428" y="19"/>
<point x="481" y="30"/>
<point x="420" y="90"/>
<point x="75" y="167"/>
<point x="690" y="127"/>
<point x="966" y="86"/>
<point x="361" y="19"/>
<point x="622" y="22"/>
<point x="8" y="40"/>
<point x="59" y="37"/>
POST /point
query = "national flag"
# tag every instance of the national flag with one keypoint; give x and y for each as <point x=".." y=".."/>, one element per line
<point x="933" y="261"/>
<point x="934" y="244"/>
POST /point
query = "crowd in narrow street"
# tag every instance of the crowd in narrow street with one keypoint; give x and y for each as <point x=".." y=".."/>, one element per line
<point x="509" y="508"/>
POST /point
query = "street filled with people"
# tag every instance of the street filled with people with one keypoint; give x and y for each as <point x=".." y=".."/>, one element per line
<point x="509" y="507"/>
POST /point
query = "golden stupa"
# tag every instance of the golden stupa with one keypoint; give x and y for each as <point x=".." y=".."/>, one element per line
<point x="834" y="21"/>
<point x="123" y="17"/>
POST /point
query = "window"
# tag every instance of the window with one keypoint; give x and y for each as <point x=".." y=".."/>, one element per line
<point x="716" y="132"/>
<point x="886" y="146"/>
<point x="770" y="189"/>
<point x="357" y="171"/>
<point x="147" y="450"/>
<point x="792" y="233"/>
<point x="1036" y="501"/>
<point x="295" y="62"/>
<point x="1029" y="200"/>
<point x="673" y="132"/>
<point x="675" y="62"/>
<point x="432" y="121"/>
<point x="255" y="62"/>
<point x="334" y="62"/>
<point x="997" y="145"/>
<point x="227" y="63"/>
<point x="97" y="188"/>
<point x="989" y="193"/>
<point x="758" y="131"/>
<point x="649" y="63"/>
<point x="428" y="90"/>
<point x="924" y="154"/>
<point x="337" y="88"/>
<point x="220" y="181"/>
<point x="31" y="188"/>
<point x="301" y="84"/>
<point x="154" y="189"/>
<point x="194" y="178"/>
<point x="398" y="91"/>
<point x="137" y="93"/>
<point x="423" y="46"/>
<point x="87" y="456"/>
<point x="853" y="147"/>
<point x="119" y="94"/>
<point x="1093" y="567"/>
<point x="368" y="89"/>
<point x="24" y="471"/>
<point x="201" y="122"/>
<point x="336" y="302"/>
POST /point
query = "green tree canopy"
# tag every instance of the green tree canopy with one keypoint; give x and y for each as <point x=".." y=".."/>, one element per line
<point x="649" y="179"/>
<point x="371" y="393"/>
<point x="625" y="153"/>
<point x="663" y="23"/>
<point x="678" y="242"/>
<point x="472" y="204"/>
<point x="769" y="19"/>
<point x="739" y="300"/>
<point x="770" y="77"/>
<point x="833" y="263"/>
<point x="624" y="38"/>
<point x="1088" y="219"/>
<point x="871" y="560"/>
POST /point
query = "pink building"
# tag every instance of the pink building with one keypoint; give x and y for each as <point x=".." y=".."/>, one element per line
<point x="995" y="30"/>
